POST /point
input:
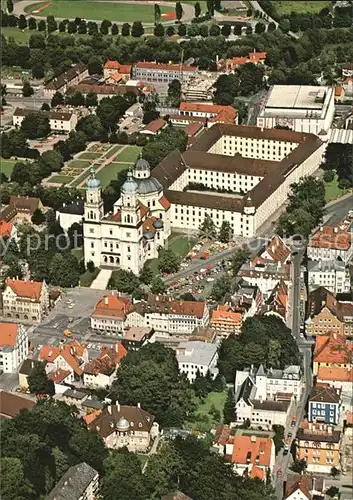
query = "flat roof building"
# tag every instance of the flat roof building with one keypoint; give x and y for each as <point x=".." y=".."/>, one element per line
<point x="303" y="108"/>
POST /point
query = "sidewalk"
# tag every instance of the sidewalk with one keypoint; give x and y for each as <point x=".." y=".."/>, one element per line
<point x="102" y="280"/>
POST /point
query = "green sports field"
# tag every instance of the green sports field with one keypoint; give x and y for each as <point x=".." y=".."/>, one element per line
<point x="115" y="12"/>
<point x="300" y="7"/>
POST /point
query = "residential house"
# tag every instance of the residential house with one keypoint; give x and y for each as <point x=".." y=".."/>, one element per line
<point x="304" y="487"/>
<point x="247" y="300"/>
<point x="251" y="452"/>
<point x="328" y="314"/>
<point x="100" y="372"/>
<point x="348" y="85"/>
<point x="59" y="121"/>
<point x="12" y="404"/>
<point x="339" y="377"/>
<point x="103" y="91"/>
<point x="197" y="357"/>
<point x="136" y="337"/>
<point x="65" y="358"/>
<point x="112" y="68"/>
<point x="154" y="127"/>
<point x="129" y="426"/>
<point x="62" y="82"/>
<point x="20" y="209"/>
<point x="324" y="404"/>
<point x="163" y="73"/>
<point x="7" y="230"/>
<point x="25" y="370"/>
<point x="226" y="321"/>
<point x="110" y="314"/>
<point x="25" y="300"/>
<point x="265" y="274"/>
<point x="253" y="57"/>
<point x="333" y="275"/>
<point x="330" y="243"/>
<point x="213" y="113"/>
<point x="166" y="315"/>
<point x="79" y="482"/>
<point x="319" y="445"/>
<point x="278" y="303"/>
<point x="13" y="346"/>
<point x="332" y="350"/>
<point x="221" y="437"/>
<point x="276" y="250"/>
<point x="71" y="213"/>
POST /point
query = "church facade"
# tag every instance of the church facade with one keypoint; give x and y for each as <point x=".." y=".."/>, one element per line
<point x="138" y="225"/>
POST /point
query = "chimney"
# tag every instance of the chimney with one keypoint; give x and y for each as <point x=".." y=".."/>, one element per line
<point x="138" y="405"/>
<point x="118" y="406"/>
<point x="335" y="229"/>
<point x="253" y="439"/>
<point x="109" y="408"/>
<point x="321" y="229"/>
<point x="106" y="301"/>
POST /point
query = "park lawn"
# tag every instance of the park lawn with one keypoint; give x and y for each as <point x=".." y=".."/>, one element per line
<point x="110" y="172"/>
<point x="87" y="277"/>
<point x="129" y="154"/>
<point x="89" y="156"/>
<point x="332" y="191"/>
<point x="61" y="179"/>
<point x="113" y="150"/>
<point x="7" y="166"/>
<point x="19" y="35"/>
<point x="203" y="420"/>
<point x="78" y="253"/>
<point x="300" y="7"/>
<point x="114" y="11"/>
<point x="181" y="244"/>
<point x="79" y="163"/>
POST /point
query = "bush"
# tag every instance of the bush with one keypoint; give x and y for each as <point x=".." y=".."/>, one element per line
<point x="329" y="175"/>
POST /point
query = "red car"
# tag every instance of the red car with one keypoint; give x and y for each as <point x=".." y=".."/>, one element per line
<point x="279" y="473"/>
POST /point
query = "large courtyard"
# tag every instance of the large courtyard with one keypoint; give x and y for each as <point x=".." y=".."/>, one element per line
<point x="107" y="160"/>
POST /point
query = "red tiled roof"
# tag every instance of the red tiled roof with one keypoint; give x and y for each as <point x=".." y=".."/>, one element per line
<point x="112" y="306"/>
<point x="165" y="305"/>
<point x="227" y="115"/>
<point x="248" y="449"/>
<point x="331" y="237"/>
<point x="5" y="228"/>
<point x="154" y="126"/>
<point x="143" y="210"/>
<point x="8" y="334"/>
<point x="338" y="91"/>
<point x="203" y="108"/>
<point x="121" y="68"/>
<point x="70" y="352"/>
<point x="335" y="373"/>
<point x="332" y="348"/>
<point x="257" y="56"/>
<point x="222" y="435"/>
<point x="164" y="202"/>
<point x="301" y="484"/>
<point x="28" y="289"/>
<point x="277" y="249"/>
<point x="238" y="61"/>
<point x="192" y="129"/>
<point x="107" y="361"/>
<point x="59" y="376"/>
<point x="160" y="66"/>
<point x="257" y="472"/>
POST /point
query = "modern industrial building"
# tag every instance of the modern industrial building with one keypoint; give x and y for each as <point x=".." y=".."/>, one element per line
<point x="302" y="108"/>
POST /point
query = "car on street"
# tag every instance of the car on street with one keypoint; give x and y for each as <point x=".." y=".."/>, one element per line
<point x="290" y="434"/>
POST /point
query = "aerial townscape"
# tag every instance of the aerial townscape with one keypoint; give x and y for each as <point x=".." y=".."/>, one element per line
<point x="176" y="250"/>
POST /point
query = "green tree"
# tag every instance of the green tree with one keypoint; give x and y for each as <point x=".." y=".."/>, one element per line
<point x="221" y="287"/>
<point x="115" y="29"/>
<point x="278" y="438"/>
<point x="157" y="285"/>
<point x="64" y="270"/>
<point x="159" y="30"/>
<point x="210" y="6"/>
<point x="188" y="297"/>
<point x="137" y="29"/>
<point x="91" y="100"/>
<point x="32" y="23"/>
<point x="57" y="100"/>
<point x="124" y="281"/>
<point x="299" y="466"/>
<point x="284" y="25"/>
<point x="90" y="266"/>
<point x="208" y="228"/>
<point x="14" y="485"/>
<point x="226" y="30"/>
<point x="181" y="30"/>
<point x="38" y="217"/>
<point x="52" y="161"/>
<point x="248" y="30"/>
<point x="197" y="9"/>
<point x="260" y="28"/>
<point x="174" y="93"/>
<point x="157" y="13"/>
<point x="168" y="261"/>
<point x="146" y="274"/>
<point x="45" y="107"/>
<point x="170" y="31"/>
<point x="95" y="66"/>
<point x="240" y="256"/>
<point x="38" y="382"/>
<point x="229" y="408"/>
<point x="22" y="22"/>
<point x="333" y="492"/>
<point x="334" y="472"/>
<point x="215" y="30"/>
<point x="92" y="128"/>
<point x="204" y="32"/>
<point x="27" y="90"/>
<point x="125" y="30"/>
<point x="168" y="140"/>
<point x="9" y="6"/>
<point x="178" y="11"/>
<point x="225" y="233"/>
<point x="35" y="125"/>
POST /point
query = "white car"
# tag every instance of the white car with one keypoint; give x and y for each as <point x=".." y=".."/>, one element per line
<point x="209" y="280"/>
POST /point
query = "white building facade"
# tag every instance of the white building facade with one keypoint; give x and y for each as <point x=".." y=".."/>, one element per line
<point x="13" y="346"/>
<point x="332" y="275"/>
<point x="197" y="357"/>
<point x="59" y="122"/>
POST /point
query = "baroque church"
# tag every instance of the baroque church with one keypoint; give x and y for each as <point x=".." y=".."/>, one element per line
<point x="138" y="225"/>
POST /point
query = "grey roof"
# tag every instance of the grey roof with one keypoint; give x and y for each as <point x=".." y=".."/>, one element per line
<point x="196" y="352"/>
<point x="158" y="224"/>
<point x="270" y="405"/>
<point x="149" y="185"/>
<point x="141" y="164"/>
<point x="246" y="391"/>
<point x="148" y="235"/>
<point x="261" y="371"/>
<point x="325" y="266"/>
<point x="93" y="182"/>
<point x="28" y="365"/>
<point x="72" y="393"/>
<point x="73" y="483"/>
<point x="74" y="208"/>
<point x="130" y="185"/>
<point x="93" y="403"/>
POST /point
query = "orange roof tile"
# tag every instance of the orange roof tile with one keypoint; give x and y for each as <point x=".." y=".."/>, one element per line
<point x="336" y="374"/>
<point x="227" y="314"/>
<point x="257" y="472"/>
<point x="59" y="376"/>
<point x="227" y="115"/>
<point x="8" y="334"/>
<point x="143" y="210"/>
<point x="277" y="249"/>
<point x="338" y="91"/>
<point x="257" y="56"/>
<point x="5" y="228"/>
<point x="112" y="305"/>
<point x="192" y="129"/>
<point x="107" y="361"/>
<point x="253" y="450"/>
<point x="27" y="289"/>
<point x="155" y="125"/>
<point x="222" y="435"/>
<point x="161" y="66"/>
<point x="333" y="348"/>
<point x="120" y="68"/>
<point x="203" y="108"/>
<point x="331" y="237"/>
<point x="164" y="202"/>
<point x="92" y="416"/>
<point x="116" y="76"/>
<point x="70" y="352"/>
<point x="148" y="224"/>
<point x="238" y="61"/>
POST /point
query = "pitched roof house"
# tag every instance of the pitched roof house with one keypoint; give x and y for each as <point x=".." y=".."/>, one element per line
<point x="110" y="313"/>
<point x="65" y="358"/>
<point x="332" y="350"/>
<point x="79" y="482"/>
<point x="246" y="452"/>
<point x="25" y="300"/>
<point x="101" y="371"/>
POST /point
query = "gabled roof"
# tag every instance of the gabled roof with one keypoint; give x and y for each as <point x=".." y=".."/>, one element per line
<point x="26" y="289"/>
<point x="253" y="450"/>
<point x="164" y="67"/>
<point x="107" y="361"/>
<point x="154" y="126"/>
<point x="73" y="483"/>
<point x="222" y="435"/>
<point x="331" y="237"/>
<point x="72" y="353"/>
<point x="166" y="305"/>
<point x="164" y="202"/>
<point x="257" y="472"/>
<point x="112" y="306"/>
<point x="59" y="376"/>
<point x="25" y="203"/>
<point x="333" y="348"/>
<point x="324" y="394"/>
<point x="5" y="229"/>
<point x="8" y="334"/>
<point x="11" y="404"/>
<point x="335" y="374"/>
<point x="106" y="423"/>
<point x="277" y="250"/>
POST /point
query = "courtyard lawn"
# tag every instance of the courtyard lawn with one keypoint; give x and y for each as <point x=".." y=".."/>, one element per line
<point x="79" y="163"/>
<point x="332" y="191"/>
<point x="61" y="179"/>
<point x="89" y="156"/>
<point x="110" y="172"/>
<point x="181" y="243"/>
<point x="209" y="412"/>
<point x="78" y="253"/>
<point x="19" y="35"/>
<point x="300" y="7"/>
<point x="6" y="166"/>
<point x="114" y="11"/>
<point x="87" y="277"/>
<point x="113" y="150"/>
<point x="129" y="154"/>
